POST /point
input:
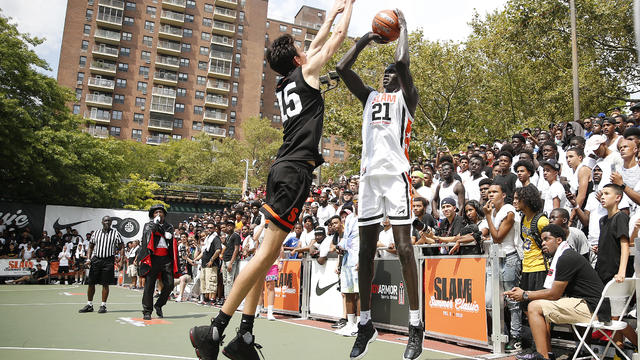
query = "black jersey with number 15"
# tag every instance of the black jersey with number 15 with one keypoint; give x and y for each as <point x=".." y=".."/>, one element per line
<point x="302" y="109"/>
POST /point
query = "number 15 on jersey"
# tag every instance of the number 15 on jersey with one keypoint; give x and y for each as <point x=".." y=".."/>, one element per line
<point x="289" y="102"/>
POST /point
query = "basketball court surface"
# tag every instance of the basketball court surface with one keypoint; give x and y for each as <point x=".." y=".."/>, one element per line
<point x="42" y="322"/>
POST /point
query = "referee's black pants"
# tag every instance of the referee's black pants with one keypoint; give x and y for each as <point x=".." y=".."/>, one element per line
<point x="162" y="265"/>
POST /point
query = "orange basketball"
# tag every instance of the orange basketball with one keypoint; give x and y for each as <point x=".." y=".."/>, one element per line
<point x="385" y="24"/>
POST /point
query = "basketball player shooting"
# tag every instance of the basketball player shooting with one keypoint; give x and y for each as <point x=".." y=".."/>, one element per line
<point x="289" y="179"/>
<point x="384" y="182"/>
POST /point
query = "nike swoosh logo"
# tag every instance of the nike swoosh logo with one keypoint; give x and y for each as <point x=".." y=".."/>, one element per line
<point x="322" y="290"/>
<point x="57" y="225"/>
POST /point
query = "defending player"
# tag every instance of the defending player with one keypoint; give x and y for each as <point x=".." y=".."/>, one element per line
<point x="384" y="180"/>
<point x="290" y="176"/>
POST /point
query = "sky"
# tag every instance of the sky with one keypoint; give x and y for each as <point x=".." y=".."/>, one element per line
<point x="439" y="20"/>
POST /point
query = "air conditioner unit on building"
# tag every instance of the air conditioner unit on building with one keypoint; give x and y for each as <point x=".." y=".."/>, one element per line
<point x="142" y="107"/>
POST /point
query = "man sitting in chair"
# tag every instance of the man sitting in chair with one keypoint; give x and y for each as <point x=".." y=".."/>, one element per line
<point x="571" y="294"/>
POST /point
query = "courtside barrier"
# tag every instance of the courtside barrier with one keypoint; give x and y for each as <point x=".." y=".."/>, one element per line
<point x="18" y="267"/>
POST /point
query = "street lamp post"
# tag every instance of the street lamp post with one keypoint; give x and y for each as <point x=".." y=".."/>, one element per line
<point x="245" y="185"/>
<point x="574" y="60"/>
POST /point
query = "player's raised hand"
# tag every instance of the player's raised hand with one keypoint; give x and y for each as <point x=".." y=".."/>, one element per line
<point x="401" y="20"/>
<point x="372" y="36"/>
<point x="338" y="6"/>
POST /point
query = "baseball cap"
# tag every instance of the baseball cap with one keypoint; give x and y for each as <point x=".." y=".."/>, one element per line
<point x="553" y="163"/>
<point x="417" y="174"/>
<point x="449" y="200"/>
<point x="347" y="191"/>
<point x="320" y="231"/>
<point x="593" y="143"/>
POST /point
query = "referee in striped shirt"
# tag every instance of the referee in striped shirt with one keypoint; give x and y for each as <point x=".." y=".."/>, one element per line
<point x="102" y="246"/>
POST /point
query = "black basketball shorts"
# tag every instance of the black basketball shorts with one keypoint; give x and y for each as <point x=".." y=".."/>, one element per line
<point x="287" y="189"/>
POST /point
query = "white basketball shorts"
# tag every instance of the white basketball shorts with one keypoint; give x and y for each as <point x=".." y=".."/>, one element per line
<point x="381" y="195"/>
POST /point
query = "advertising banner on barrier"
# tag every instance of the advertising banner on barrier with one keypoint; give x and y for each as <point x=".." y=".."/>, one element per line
<point x="19" y="216"/>
<point x="129" y="223"/>
<point x="288" y="287"/>
<point x="325" y="298"/>
<point x="389" y="301"/>
<point x="454" y="297"/>
<point x="18" y="267"/>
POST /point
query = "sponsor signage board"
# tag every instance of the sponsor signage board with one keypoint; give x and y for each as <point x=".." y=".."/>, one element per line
<point x="325" y="298"/>
<point x="389" y="300"/>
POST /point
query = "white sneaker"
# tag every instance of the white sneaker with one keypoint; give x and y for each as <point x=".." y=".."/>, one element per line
<point x="270" y="317"/>
<point x="349" y="330"/>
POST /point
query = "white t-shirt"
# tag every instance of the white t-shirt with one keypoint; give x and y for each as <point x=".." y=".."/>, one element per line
<point x="63" y="258"/>
<point x="386" y="238"/>
<point x="28" y="253"/>
<point x="578" y="241"/>
<point x="555" y="190"/>
<point x="596" y="211"/>
<point x="426" y="193"/>
<point x="631" y="176"/>
<point x="472" y="188"/>
<point x="306" y="237"/>
<point x="325" y="213"/>
<point x="508" y="243"/>
<point x="324" y="247"/>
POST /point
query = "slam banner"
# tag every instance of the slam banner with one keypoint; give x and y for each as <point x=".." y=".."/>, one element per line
<point x="325" y="298"/>
<point x="129" y="223"/>
<point x="18" y="267"/>
<point x="19" y="216"/>
<point x="454" y="298"/>
<point x="389" y="301"/>
<point x="288" y="287"/>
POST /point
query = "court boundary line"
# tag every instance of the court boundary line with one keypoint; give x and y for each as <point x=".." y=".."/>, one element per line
<point x="42" y="289"/>
<point x="70" y="303"/>
<point x="95" y="351"/>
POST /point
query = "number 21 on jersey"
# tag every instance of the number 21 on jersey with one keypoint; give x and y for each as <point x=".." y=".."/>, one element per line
<point x="289" y="102"/>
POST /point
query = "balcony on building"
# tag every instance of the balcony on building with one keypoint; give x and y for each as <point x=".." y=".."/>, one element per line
<point x="109" y="19"/>
<point x="103" y="68"/>
<point x="161" y="125"/>
<point x="179" y="5"/>
<point x="223" y="28"/>
<point x="163" y="105"/>
<point x="165" y="78"/>
<point x="227" y="56"/>
<point x="215" y="116"/>
<point x="217" y="101"/>
<point x="157" y="140"/>
<point x="97" y="132"/>
<point x="98" y="115"/>
<point x="105" y="52"/>
<point x="220" y="13"/>
<point x="169" y="47"/>
<point x="222" y="40"/>
<point x="218" y="70"/>
<point x="170" y="32"/>
<point x="214" y="131"/>
<point x="309" y="37"/>
<point x="95" y="83"/>
<point x="99" y="100"/>
<point x="218" y="86"/>
<point x="172" y="17"/>
<point x="311" y="27"/>
<point x="116" y="4"/>
<point x="163" y="91"/>
<point x="167" y="62"/>
<point x="107" y="36"/>
<point x="231" y="4"/>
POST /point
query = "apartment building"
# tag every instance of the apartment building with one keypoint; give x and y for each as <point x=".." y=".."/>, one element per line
<point x="156" y="70"/>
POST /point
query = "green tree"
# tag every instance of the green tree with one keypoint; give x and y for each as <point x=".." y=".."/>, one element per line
<point x="137" y="193"/>
<point x="260" y="142"/>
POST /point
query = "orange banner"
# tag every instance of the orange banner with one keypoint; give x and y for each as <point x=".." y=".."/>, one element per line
<point x="454" y="297"/>
<point x="287" y="287"/>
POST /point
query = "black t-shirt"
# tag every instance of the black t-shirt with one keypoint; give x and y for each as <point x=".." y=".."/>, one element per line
<point x="583" y="281"/>
<point x="232" y="240"/>
<point x="206" y="256"/>
<point x="38" y="274"/>
<point x="450" y="229"/>
<point x="611" y="230"/>
<point x="302" y="109"/>
<point x="426" y="219"/>
<point x="509" y="183"/>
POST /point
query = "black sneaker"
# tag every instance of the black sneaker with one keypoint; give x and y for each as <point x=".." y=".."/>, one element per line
<point x="243" y="347"/>
<point x="414" y="345"/>
<point x="146" y="316"/>
<point x="87" y="308"/>
<point x="366" y="335"/>
<point x="102" y="309"/>
<point x="514" y="346"/>
<point x="339" y="324"/>
<point x="530" y="355"/>
<point x="158" y="311"/>
<point x="202" y="340"/>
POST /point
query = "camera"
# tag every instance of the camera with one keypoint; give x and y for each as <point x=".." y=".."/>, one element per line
<point x="419" y="225"/>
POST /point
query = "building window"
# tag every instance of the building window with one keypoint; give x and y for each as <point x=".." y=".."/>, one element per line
<point x="149" y="26"/>
<point x="83" y="61"/>
<point x="76" y="109"/>
<point x="234" y="101"/>
<point x="197" y="110"/>
<point x="235" y="87"/>
<point x="184" y="62"/>
<point x="232" y="131"/>
<point x="131" y="5"/>
<point x="118" y="99"/>
<point x="283" y="28"/>
<point x="338" y="154"/>
<point x="298" y="43"/>
<point x="204" y="50"/>
<point x="186" y="47"/>
<point x="121" y="83"/>
<point x="85" y="45"/>
<point x="207" y="22"/>
<point x="239" y="44"/>
<point x="87" y="29"/>
<point x="191" y="4"/>
<point x="144" y="70"/>
<point x="237" y="58"/>
<point x="268" y="23"/>
<point x="205" y="36"/>
<point x="208" y="8"/>
<point x="80" y="78"/>
<point x="201" y="80"/>
<point x="125" y="51"/>
<point x="240" y="29"/>
<point x="276" y="119"/>
<point x="114" y="131"/>
<point x="326" y="152"/>
<point x="176" y="137"/>
<point x="326" y="140"/>
<point x="241" y="16"/>
<point x="142" y="86"/>
<point x="140" y="102"/>
<point x="187" y="32"/>
<point x="296" y="31"/>
<point x="145" y="55"/>
<point x="138" y="118"/>
<point x="126" y="36"/>
<point x="199" y="94"/>
<point x="127" y="21"/>
<point x="183" y="77"/>
<point x="136" y="134"/>
<point x="147" y="40"/>
<point x="262" y="89"/>
<point x="89" y="14"/>
<point x="123" y="67"/>
<point x="236" y="71"/>
<point x="181" y="92"/>
<point x="202" y="65"/>
<point x="177" y="123"/>
<point x="151" y="11"/>
<point x="188" y="18"/>
<point x="179" y="107"/>
<point x="232" y="116"/>
<point x="78" y="94"/>
<point x="263" y="75"/>
<point x="261" y="103"/>
<point x="116" y="115"/>
<point x="197" y="125"/>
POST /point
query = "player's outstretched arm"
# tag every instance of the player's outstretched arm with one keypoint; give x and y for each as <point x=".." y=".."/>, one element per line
<point x="402" y="65"/>
<point x="323" y="33"/>
<point x="311" y="70"/>
<point x="353" y="82"/>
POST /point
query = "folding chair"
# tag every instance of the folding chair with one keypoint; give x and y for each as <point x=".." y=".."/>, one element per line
<point x="611" y="290"/>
